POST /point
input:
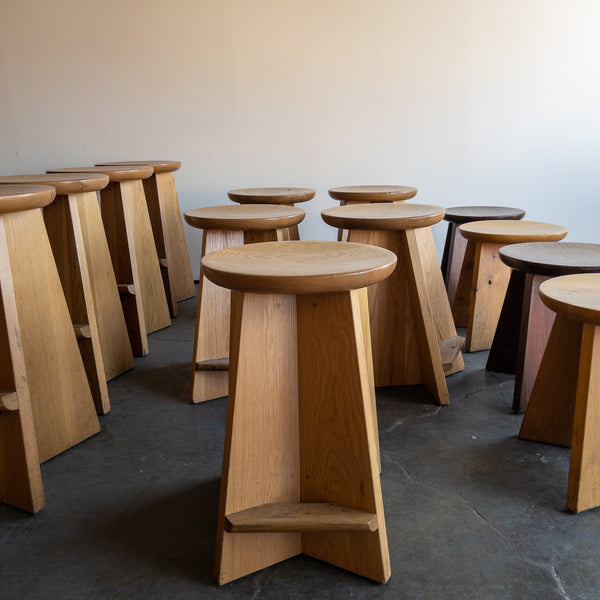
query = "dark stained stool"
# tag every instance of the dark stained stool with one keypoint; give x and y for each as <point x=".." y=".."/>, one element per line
<point x="456" y="244"/>
<point x="224" y="227"/>
<point x="564" y="408"/>
<point x="167" y="227"/>
<point x="525" y="321"/>
<point x="285" y="196"/>
<point x="300" y="472"/>
<point x="412" y="330"/>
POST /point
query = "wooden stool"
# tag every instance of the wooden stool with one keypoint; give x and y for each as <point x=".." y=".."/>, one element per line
<point x="564" y="408"/>
<point x="224" y="227"/>
<point x="454" y="248"/>
<point x="78" y="241"/>
<point x="274" y="195"/>
<point x="413" y="334"/>
<point x="300" y="471"/>
<point x="37" y="320"/>
<point x="484" y="277"/>
<point x="366" y="194"/>
<point x="167" y="226"/>
<point x="131" y="244"/>
<point x="525" y="321"/>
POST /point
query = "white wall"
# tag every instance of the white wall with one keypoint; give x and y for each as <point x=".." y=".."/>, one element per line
<point x="471" y="101"/>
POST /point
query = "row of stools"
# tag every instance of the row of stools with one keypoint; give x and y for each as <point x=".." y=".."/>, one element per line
<point x="82" y="284"/>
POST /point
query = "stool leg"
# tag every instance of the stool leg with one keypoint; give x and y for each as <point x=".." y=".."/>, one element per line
<point x="455" y="260"/>
<point x="267" y="235"/>
<point x="260" y="461"/>
<point x="20" y="476"/>
<point x="61" y="402"/>
<point x="490" y="280"/>
<point x="211" y="341"/>
<point x="462" y="296"/>
<point x="583" y="491"/>
<point x="549" y="414"/>
<point x="66" y="238"/>
<point x="338" y="448"/>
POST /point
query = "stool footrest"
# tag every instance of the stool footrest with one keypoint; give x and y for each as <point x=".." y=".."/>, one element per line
<point x="8" y="401"/>
<point x="126" y="289"/>
<point x="300" y="517"/>
<point x="213" y="364"/>
<point x="449" y="350"/>
<point x="82" y="331"/>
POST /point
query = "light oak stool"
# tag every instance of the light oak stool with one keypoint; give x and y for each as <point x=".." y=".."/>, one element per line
<point x="300" y="472"/>
<point x="456" y="244"/>
<point x="564" y="408"/>
<point x="37" y="320"/>
<point x="287" y="196"/>
<point x="525" y="321"/>
<point x="365" y="194"/>
<point x="224" y="227"/>
<point x="167" y="226"/>
<point x="484" y="277"/>
<point x="133" y="252"/>
<point x="78" y="241"/>
<point x="413" y="334"/>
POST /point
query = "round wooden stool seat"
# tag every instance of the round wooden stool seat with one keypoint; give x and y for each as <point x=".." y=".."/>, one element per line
<point x="466" y="214"/>
<point x="115" y="174"/>
<point x="380" y="217"/>
<point x="552" y="258"/>
<point x="63" y="184"/>
<point x="256" y="217"/>
<point x="372" y="193"/>
<point x="271" y="195"/>
<point x="512" y="232"/>
<point x="15" y="198"/>
<point x="159" y="166"/>
<point x="576" y="297"/>
<point x="298" y="267"/>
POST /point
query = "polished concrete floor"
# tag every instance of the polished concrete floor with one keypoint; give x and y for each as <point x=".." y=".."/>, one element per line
<point x="472" y="512"/>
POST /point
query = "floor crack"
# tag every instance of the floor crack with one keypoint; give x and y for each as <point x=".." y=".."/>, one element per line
<point x="401" y="421"/>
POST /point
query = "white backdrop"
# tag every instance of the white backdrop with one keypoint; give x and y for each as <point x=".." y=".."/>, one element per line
<point x="471" y="101"/>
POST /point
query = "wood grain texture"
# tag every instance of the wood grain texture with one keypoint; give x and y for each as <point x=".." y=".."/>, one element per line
<point x="390" y="216"/>
<point x="19" y="197"/>
<point x="373" y="193"/>
<point x="62" y="406"/>
<point x="115" y="173"/>
<point x="20" y="476"/>
<point x="512" y="232"/>
<point x="466" y="214"/>
<point x="298" y="267"/>
<point x="68" y="183"/>
<point x="211" y="340"/>
<point x="452" y="260"/>
<point x="271" y="195"/>
<point x="574" y="296"/>
<point x="244" y="217"/>
<point x="261" y="461"/>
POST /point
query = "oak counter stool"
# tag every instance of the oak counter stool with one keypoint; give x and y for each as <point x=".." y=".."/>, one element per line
<point x="286" y="196"/>
<point x="167" y="226"/>
<point x="36" y="320"/>
<point x="564" y="408"/>
<point x="224" y="227"/>
<point x="300" y="471"/>
<point x="525" y="321"/>
<point x="456" y="244"/>
<point x="412" y="331"/>
<point x="80" y="249"/>
<point x="484" y="277"/>
<point x="133" y="252"/>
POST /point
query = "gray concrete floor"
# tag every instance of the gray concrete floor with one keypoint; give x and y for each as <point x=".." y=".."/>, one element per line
<point x="472" y="512"/>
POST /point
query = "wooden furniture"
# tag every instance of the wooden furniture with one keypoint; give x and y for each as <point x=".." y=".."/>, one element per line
<point x="133" y="252"/>
<point x="413" y="334"/>
<point x="365" y="194"/>
<point x="167" y="227"/>
<point x="226" y="226"/>
<point x="484" y="277"/>
<point x="287" y="196"/>
<point x="37" y="322"/>
<point x="456" y="244"/>
<point x="564" y="407"/>
<point x="300" y="472"/>
<point x="78" y="242"/>
<point x="525" y="321"/>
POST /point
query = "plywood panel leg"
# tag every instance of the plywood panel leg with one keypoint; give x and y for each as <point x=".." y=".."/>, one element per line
<point x="261" y="463"/>
<point x="462" y="296"/>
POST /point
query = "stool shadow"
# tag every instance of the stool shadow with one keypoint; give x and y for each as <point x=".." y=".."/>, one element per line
<point x="169" y="380"/>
